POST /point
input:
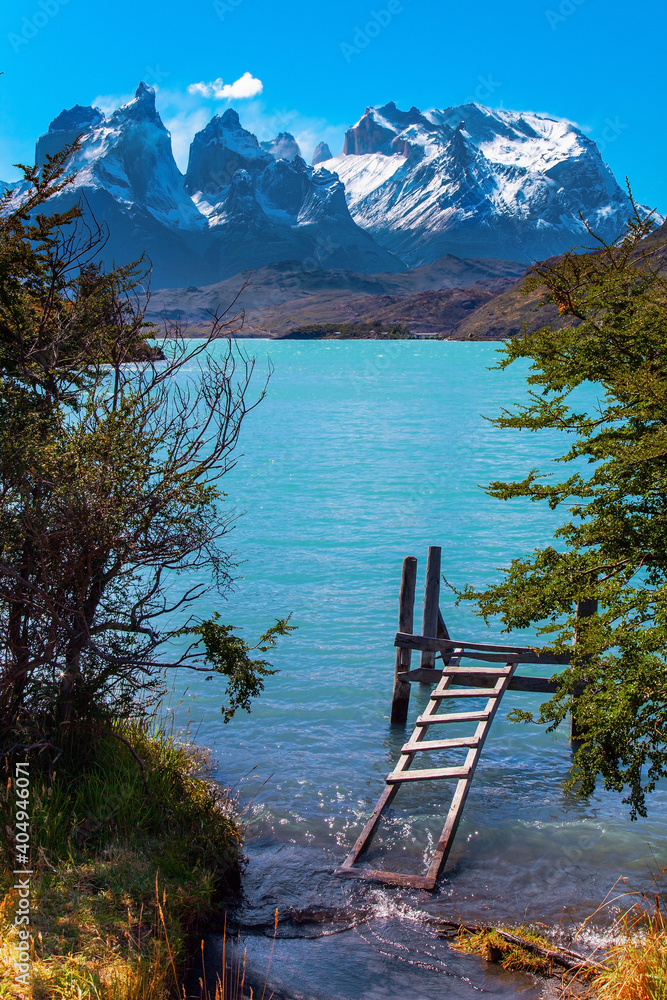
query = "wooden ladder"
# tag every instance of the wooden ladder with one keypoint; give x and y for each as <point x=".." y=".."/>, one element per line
<point x="500" y="677"/>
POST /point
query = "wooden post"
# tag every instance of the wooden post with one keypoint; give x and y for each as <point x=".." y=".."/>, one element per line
<point x="584" y="609"/>
<point x="431" y="602"/>
<point x="406" y="611"/>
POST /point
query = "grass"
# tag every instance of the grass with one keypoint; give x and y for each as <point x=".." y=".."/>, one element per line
<point x="636" y="967"/>
<point x="129" y="858"/>
<point x="490" y="945"/>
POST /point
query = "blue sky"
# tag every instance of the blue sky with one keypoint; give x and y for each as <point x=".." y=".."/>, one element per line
<point x="597" y="62"/>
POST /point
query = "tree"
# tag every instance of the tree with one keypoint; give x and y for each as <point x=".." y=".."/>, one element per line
<point x="110" y="462"/>
<point x="613" y="549"/>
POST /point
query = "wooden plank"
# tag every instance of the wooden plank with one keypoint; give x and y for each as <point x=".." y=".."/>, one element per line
<point x="498" y="654"/>
<point x="464" y="692"/>
<point x="429" y="720"/>
<point x="536" y="685"/>
<point x="388" y="878"/>
<point x="492" y="647"/>
<point x="461" y="671"/>
<point x="400" y="698"/>
<point x="424" y="676"/>
<point x="467" y="741"/>
<point x="431" y="603"/>
<point x="428" y="774"/>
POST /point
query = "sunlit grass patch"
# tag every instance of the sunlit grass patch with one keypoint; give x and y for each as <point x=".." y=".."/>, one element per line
<point x="494" y="948"/>
<point x="128" y="857"/>
<point x="637" y="965"/>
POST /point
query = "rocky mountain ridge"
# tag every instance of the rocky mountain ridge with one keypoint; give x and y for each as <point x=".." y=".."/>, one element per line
<point x="409" y="188"/>
<point x="237" y="208"/>
<point x="472" y="181"/>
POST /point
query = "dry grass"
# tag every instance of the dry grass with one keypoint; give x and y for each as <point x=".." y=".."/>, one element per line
<point x="634" y="968"/>
<point x="637" y="964"/>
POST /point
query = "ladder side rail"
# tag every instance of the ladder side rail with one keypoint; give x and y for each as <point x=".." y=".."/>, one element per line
<point x="444" y="846"/>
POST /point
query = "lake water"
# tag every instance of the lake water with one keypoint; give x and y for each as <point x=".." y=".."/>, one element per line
<point x="363" y="453"/>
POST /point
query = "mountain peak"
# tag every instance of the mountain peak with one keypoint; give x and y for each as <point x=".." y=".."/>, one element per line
<point x="230" y="119"/>
<point x="321" y="153"/>
<point x="283" y="147"/>
<point x="65" y="129"/>
<point x="217" y="152"/>
<point x="140" y="108"/>
<point x="79" y="117"/>
<point x="144" y="91"/>
<point x="368" y="136"/>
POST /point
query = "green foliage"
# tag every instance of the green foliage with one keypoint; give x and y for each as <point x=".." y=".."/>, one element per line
<point x="613" y="549"/>
<point x="110" y="458"/>
<point x="228" y="654"/>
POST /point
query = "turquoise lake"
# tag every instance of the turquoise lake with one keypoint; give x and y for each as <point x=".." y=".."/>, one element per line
<point x="363" y="453"/>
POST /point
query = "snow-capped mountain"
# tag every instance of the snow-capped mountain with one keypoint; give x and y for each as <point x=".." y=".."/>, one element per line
<point x="409" y="188"/>
<point x="261" y="209"/>
<point x="237" y="208"/>
<point x="475" y="182"/>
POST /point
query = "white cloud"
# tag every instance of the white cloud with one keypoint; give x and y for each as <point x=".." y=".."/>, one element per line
<point x="246" y="86"/>
<point x="108" y="103"/>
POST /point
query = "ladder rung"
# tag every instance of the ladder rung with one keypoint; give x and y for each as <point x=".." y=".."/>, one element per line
<point x="467" y="670"/>
<point x="467" y="741"/>
<point x="465" y="693"/>
<point x="428" y="720"/>
<point x="425" y="774"/>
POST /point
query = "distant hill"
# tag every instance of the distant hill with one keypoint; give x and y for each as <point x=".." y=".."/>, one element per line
<point x="451" y="298"/>
<point x="282" y="296"/>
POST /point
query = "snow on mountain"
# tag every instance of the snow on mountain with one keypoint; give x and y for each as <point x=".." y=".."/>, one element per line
<point x="237" y="207"/>
<point x="129" y="156"/>
<point x="217" y="152"/>
<point x="283" y="147"/>
<point x="409" y="188"/>
<point x="262" y="209"/>
<point x="475" y="182"/>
